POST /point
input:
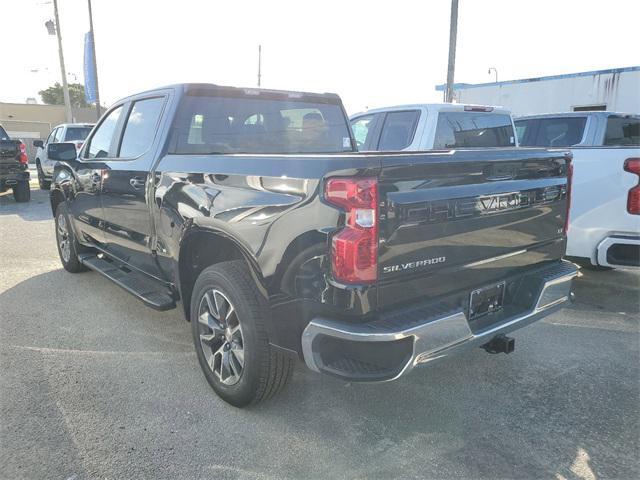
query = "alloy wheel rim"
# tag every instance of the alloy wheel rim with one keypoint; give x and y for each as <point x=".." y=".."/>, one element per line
<point x="63" y="238"/>
<point x="220" y="335"/>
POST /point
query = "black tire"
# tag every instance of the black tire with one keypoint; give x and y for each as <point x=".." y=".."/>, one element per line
<point x="42" y="182"/>
<point x="68" y="259"/>
<point x="22" y="191"/>
<point x="264" y="370"/>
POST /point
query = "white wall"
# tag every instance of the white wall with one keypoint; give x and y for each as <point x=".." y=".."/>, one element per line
<point x="619" y="91"/>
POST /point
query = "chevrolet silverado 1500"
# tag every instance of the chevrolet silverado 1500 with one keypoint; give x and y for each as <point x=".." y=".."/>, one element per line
<point x="253" y="209"/>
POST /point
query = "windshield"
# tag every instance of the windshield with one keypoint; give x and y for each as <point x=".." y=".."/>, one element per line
<point x="218" y="124"/>
<point x="76" y="133"/>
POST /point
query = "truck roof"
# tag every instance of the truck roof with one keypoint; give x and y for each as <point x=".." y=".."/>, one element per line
<point x="434" y="107"/>
<point x="576" y="114"/>
<point x="224" y="90"/>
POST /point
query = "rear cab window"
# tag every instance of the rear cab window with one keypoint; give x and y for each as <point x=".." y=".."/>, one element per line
<point x="473" y="130"/>
<point x="215" y="121"/>
<point x="551" y="132"/>
<point x="622" y="131"/>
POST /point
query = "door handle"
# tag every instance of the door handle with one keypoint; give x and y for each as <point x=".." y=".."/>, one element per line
<point x="136" y="182"/>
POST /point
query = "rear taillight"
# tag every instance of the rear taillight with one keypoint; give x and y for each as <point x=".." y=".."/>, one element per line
<point x="354" y="248"/>
<point x="23" y="154"/>
<point x="632" y="165"/>
<point x="569" y="182"/>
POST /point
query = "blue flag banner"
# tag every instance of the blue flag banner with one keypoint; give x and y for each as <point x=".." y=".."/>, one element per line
<point x="89" y="69"/>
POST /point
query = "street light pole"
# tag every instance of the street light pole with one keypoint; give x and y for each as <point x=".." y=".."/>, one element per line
<point x="453" y="33"/>
<point x="65" y="86"/>
<point x="495" y="70"/>
<point x="95" y="62"/>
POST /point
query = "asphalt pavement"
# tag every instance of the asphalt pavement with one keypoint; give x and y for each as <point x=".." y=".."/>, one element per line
<point x="93" y="384"/>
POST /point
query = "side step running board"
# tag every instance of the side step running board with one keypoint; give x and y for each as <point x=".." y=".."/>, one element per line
<point x="150" y="291"/>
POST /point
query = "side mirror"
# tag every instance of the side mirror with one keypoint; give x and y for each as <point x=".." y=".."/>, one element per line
<point x="38" y="143"/>
<point x="61" y="151"/>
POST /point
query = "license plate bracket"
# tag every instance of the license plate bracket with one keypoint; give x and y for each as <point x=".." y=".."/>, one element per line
<point x="483" y="301"/>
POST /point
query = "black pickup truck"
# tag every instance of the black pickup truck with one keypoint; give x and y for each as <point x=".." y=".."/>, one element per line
<point x="14" y="167"/>
<point x="255" y="211"/>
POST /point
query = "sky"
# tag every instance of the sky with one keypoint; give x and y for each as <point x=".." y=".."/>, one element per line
<point x="372" y="53"/>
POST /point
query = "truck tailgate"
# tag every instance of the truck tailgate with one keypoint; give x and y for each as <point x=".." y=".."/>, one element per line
<point x="9" y="157"/>
<point x="453" y="223"/>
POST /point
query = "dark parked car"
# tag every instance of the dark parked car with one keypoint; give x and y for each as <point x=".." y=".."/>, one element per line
<point x="14" y="167"/>
<point x="253" y="209"/>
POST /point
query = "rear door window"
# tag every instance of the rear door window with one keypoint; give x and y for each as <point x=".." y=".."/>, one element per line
<point x="473" y="130"/>
<point x="76" y="133"/>
<point x="622" y="131"/>
<point x="560" y="132"/>
<point x="140" y="129"/>
<point x="398" y="130"/>
<point x="100" y="142"/>
<point x="551" y="132"/>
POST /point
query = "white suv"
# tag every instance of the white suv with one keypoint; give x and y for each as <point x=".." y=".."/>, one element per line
<point x="67" y="132"/>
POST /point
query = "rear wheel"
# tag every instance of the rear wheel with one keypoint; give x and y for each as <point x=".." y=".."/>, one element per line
<point x="229" y="333"/>
<point x="22" y="192"/>
<point x="42" y="181"/>
<point x="68" y="246"/>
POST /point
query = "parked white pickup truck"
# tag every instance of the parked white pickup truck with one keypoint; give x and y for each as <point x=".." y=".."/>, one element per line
<point x="604" y="227"/>
<point x="433" y="126"/>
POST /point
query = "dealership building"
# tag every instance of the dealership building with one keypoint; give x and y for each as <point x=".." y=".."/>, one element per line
<point x="616" y="89"/>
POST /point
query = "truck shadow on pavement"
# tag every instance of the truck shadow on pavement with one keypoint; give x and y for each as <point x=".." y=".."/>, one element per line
<point x="37" y="209"/>
<point x="560" y="406"/>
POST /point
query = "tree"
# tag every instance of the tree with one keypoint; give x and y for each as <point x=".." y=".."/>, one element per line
<point x="54" y="95"/>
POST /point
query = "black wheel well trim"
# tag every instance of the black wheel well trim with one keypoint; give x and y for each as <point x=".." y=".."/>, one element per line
<point x="233" y="250"/>
<point x="56" y="196"/>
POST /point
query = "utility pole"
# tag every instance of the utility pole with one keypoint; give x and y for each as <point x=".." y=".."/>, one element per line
<point x="95" y="62"/>
<point x="259" y="64"/>
<point x="65" y="85"/>
<point x="453" y="33"/>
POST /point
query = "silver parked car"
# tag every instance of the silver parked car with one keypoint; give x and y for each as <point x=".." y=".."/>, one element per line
<point x="67" y="132"/>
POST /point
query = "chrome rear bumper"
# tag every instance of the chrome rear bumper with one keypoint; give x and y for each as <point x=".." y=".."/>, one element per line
<point x="355" y="351"/>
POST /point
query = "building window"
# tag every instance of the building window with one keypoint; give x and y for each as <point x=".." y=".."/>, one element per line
<point x="589" y="108"/>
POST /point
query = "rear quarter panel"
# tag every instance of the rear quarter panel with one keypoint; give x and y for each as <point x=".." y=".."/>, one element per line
<point x="265" y="203"/>
<point x="599" y="198"/>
